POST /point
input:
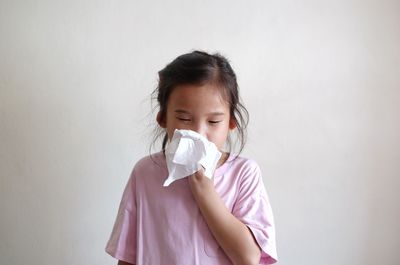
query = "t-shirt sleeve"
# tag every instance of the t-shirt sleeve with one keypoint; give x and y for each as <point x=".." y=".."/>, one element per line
<point x="122" y="242"/>
<point x="252" y="208"/>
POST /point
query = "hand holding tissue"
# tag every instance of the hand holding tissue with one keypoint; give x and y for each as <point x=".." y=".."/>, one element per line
<point x="187" y="153"/>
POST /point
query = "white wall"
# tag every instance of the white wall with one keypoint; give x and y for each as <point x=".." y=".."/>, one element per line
<point x="321" y="80"/>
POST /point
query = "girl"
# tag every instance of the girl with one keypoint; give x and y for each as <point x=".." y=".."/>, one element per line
<point x="196" y="220"/>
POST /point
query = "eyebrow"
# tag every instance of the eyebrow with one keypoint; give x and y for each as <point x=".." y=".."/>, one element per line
<point x="216" y="113"/>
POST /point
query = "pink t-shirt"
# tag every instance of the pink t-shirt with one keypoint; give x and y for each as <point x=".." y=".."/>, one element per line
<point x="163" y="225"/>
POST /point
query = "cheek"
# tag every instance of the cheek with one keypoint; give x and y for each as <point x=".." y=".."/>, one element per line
<point x="220" y="138"/>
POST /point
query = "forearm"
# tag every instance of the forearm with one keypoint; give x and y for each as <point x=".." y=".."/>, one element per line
<point x="232" y="235"/>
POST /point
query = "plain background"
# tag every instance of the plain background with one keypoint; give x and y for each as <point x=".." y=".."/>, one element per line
<point x="321" y="80"/>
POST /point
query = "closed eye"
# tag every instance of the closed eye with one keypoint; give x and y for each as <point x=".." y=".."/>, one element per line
<point x="182" y="119"/>
<point x="214" y="122"/>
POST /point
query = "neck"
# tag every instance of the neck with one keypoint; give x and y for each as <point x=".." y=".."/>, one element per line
<point x="223" y="159"/>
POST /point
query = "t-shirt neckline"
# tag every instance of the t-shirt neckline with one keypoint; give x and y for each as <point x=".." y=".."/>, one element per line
<point x="219" y="171"/>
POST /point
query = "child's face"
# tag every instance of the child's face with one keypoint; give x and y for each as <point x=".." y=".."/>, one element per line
<point x="201" y="109"/>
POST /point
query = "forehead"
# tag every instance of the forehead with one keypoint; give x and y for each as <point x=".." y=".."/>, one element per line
<point x="188" y="94"/>
<point x="195" y="96"/>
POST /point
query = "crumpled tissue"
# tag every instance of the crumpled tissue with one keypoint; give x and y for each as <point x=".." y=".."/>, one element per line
<point x="187" y="153"/>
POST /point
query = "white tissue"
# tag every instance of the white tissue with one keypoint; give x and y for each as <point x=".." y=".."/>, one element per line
<point x="187" y="153"/>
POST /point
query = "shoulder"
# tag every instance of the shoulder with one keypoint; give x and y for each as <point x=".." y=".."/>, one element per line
<point x="153" y="164"/>
<point x="245" y="173"/>
<point x="243" y="165"/>
<point x="150" y="161"/>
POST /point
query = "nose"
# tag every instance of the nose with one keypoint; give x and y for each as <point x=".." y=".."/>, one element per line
<point x="200" y="128"/>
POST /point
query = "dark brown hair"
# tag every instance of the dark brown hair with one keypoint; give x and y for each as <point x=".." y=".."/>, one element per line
<point x="199" y="68"/>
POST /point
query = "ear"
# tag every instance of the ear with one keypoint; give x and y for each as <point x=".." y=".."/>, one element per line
<point x="232" y="124"/>
<point x="160" y="120"/>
